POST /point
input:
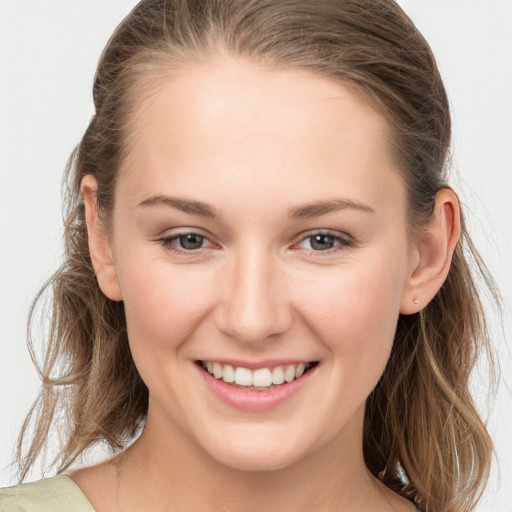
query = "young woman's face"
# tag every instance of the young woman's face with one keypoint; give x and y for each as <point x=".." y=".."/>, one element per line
<point x="260" y="226"/>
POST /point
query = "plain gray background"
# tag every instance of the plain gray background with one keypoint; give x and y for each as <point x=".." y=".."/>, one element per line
<point x="48" y="54"/>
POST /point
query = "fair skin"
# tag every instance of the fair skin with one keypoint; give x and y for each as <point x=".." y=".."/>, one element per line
<point x="266" y="281"/>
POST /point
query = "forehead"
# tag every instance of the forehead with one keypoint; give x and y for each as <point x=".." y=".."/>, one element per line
<point x="233" y="122"/>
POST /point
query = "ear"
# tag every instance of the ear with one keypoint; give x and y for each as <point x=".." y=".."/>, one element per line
<point x="434" y="251"/>
<point x="99" y="243"/>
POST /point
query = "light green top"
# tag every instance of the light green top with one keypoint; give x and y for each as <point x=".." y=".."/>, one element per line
<point x="57" y="494"/>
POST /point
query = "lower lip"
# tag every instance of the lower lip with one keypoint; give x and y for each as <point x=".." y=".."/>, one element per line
<point x="252" y="399"/>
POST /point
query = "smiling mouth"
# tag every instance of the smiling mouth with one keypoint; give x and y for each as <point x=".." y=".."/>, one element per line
<point x="262" y="379"/>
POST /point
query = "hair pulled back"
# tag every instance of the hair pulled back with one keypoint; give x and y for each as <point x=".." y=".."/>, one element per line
<point x="423" y="437"/>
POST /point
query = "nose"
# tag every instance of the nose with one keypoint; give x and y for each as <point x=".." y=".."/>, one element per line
<point x="254" y="306"/>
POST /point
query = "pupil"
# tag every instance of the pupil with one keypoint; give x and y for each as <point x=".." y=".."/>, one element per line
<point x="191" y="241"/>
<point x="322" y="242"/>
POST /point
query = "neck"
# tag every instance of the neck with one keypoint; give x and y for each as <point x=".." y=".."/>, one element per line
<point x="159" y="476"/>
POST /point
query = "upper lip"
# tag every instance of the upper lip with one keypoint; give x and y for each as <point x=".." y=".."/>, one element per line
<point x="256" y="365"/>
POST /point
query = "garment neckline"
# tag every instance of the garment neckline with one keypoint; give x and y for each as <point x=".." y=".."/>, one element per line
<point x="76" y="488"/>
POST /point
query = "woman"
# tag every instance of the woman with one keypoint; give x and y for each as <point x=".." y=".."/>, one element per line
<point x="266" y="270"/>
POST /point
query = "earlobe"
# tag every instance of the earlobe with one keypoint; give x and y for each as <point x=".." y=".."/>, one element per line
<point x="434" y="253"/>
<point x="98" y="240"/>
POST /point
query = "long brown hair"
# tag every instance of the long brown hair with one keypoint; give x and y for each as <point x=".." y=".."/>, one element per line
<point x="423" y="437"/>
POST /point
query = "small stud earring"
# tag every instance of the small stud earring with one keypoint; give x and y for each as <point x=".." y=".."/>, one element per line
<point x="415" y="300"/>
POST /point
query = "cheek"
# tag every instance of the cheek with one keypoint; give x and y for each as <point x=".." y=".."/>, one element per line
<point x="163" y="305"/>
<point x="355" y="311"/>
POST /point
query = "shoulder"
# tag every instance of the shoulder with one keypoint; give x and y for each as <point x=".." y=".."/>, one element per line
<point x="57" y="494"/>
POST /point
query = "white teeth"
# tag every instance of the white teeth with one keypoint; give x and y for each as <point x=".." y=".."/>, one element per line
<point x="243" y="377"/>
<point x="278" y="375"/>
<point x="289" y="373"/>
<point x="260" y="378"/>
<point x="228" y="375"/>
<point x="217" y="370"/>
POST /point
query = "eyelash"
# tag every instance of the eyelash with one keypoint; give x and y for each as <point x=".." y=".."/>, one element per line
<point x="342" y="243"/>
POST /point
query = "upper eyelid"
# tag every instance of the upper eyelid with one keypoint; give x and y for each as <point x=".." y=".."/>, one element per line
<point x="301" y="236"/>
<point x="328" y="232"/>
<point x="178" y="231"/>
<point x="167" y="238"/>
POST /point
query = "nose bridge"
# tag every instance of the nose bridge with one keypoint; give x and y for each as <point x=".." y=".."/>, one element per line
<point x="255" y="305"/>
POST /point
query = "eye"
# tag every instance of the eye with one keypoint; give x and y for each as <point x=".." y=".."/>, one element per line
<point x="191" y="241"/>
<point x="321" y="242"/>
<point x="324" y="242"/>
<point x="185" y="242"/>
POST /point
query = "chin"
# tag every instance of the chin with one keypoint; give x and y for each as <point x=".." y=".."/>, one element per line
<point x="257" y="453"/>
<point x="256" y="461"/>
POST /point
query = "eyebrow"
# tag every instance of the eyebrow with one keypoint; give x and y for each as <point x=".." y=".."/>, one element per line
<point x="318" y="208"/>
<point x="305" y="211"/>
<point x="183" y="204"/>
